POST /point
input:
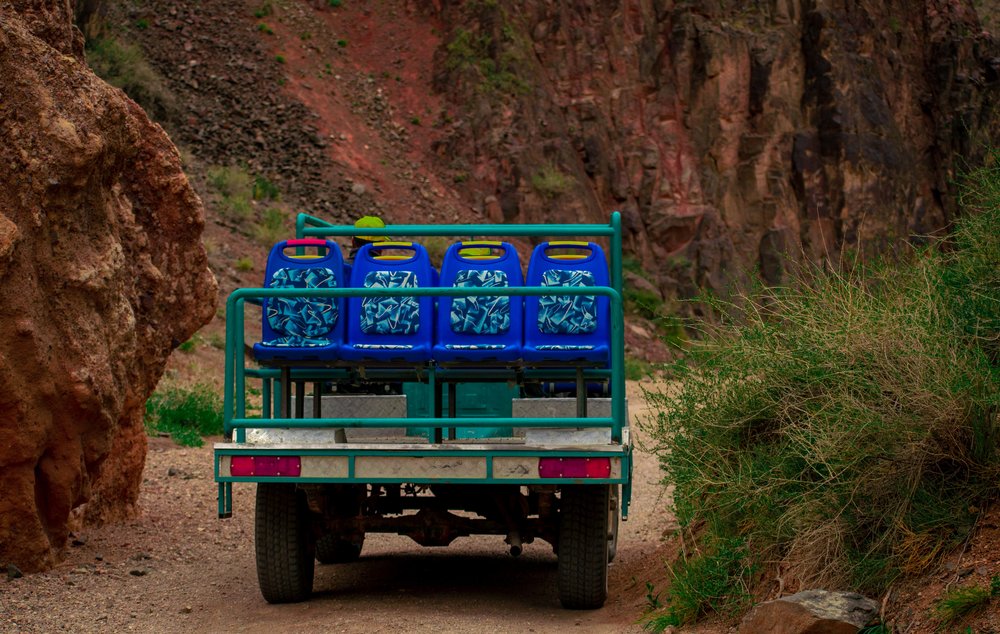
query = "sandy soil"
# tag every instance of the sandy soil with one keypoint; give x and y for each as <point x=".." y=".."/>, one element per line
<point x="177" y="568"/>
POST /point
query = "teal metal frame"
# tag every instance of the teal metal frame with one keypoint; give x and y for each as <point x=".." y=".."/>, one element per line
<point x="236" y="421"/>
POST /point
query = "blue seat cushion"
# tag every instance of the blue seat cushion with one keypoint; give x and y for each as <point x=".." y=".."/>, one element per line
<point x="483" y="315"/>
<point x="390" y="315"/>
<point x="567" y="314"/>
<point x="296" y="342"/>
<point x="299" y="318"/>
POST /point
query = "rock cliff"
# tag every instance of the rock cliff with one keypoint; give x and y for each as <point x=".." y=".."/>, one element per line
<point x="102" y="274"/>
<point x="731" y="134"/>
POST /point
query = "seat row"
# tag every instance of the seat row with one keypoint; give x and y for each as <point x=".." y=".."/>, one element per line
<point x="473" y="329"/>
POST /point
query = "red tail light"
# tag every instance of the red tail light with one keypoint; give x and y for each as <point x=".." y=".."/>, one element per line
<point x="574" y="467"/>
<point x="265" y="466"/>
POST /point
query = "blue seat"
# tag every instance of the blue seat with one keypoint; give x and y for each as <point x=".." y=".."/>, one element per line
<point x="296" y="328"/>
<point x="390" y="329"/>
<point x="480" y="329"/>
<point x="567" y="328"/>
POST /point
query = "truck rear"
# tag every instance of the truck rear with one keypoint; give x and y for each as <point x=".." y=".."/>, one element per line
<point x="387" y="396"/>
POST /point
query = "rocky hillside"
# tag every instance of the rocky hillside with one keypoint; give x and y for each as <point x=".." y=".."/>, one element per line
<point x="730" y="134"/>
<point x="102" y="275"/>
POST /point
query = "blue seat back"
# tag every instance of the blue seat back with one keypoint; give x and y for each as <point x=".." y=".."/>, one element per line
<point x="478" y="325"/>
<point x="381" y="326"/>
<point x="297" y="322"/>
<point x="560" y="323"/>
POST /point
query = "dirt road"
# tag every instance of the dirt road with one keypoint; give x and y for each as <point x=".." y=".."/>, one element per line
<point x="179" y="569"/>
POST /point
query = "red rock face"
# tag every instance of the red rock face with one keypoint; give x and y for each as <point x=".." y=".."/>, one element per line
<point x="101" y="274"/>
<point x="731" y="134"/>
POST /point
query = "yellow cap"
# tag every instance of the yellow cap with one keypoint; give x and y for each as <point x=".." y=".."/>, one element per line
<point x="370" y="222"/>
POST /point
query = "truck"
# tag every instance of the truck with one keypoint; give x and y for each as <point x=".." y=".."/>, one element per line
<point x="526" y="441"/>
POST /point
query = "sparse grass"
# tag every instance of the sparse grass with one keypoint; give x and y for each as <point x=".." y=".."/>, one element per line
<point x="271" y="228"/>
<point x="125" y="66"/>
<point x="235" y="188"/>
<point x="185" y="414"/>
<point x="550" y="181"/>
<point x="637" y="369"/>
<point x="342" y="43"/>
<point x="960" y="603"/>
<point x="844" y="427"/>
<point x="189" y="346"/>
<point x="265" y="29"/>
<point x="334" y="3"/>
<point x="280" y="59"/>
<point x="415" y="120"/>
<point x="244" y="264"/>
<point x="142" y="24"/>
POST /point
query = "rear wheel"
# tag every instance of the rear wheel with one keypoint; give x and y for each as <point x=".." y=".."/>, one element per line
<point x="583" y="546"/>
<point x="282" y="541"/>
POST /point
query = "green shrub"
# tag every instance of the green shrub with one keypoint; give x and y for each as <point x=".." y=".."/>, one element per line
<point x="342" y="43"/>
<point x="189" y="346"/>
<point x="715" y="581"/>
<point x="244" y="264"/>
<point x="125" y="66"/>
<point x="496" y="66"/>
<point x="845" y="426"/>
<point x="264" y="189"/>
<point x="550" y="181"/>
<point x="185" y="414"/>
<point x="264" y="10"/>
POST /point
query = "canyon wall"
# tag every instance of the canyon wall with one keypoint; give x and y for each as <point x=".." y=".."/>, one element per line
<point x="102" y="274"/>
<point x="733" y="135"/>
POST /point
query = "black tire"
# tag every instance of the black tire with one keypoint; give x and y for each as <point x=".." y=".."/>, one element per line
<point x="613" y="520"/>
<point x="332" y="550"/>
<point x="583" y="546"/>
<point x="282" y="539"/>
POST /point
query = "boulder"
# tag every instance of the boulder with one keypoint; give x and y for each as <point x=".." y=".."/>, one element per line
<point x="811" y="612"/>
<point x="102" y="274"/>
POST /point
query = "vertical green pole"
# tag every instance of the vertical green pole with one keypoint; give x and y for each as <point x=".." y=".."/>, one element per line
<point x="617" y="331"/>
<point x="241" y="392"/>
<point x="227" y="398"/>
<point x="300" y="225"/>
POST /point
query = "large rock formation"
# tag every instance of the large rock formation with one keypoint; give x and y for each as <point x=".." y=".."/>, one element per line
<point x="101" y="274"/>
<point x="730" y="133"/>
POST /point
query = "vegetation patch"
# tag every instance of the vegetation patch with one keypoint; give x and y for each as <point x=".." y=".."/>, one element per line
<point x="845" y="426"/>
<point x="960" y="603"/>
<point x="186" y="414"/>
<point x="550" y="181"/>
<point x="235" y="188"/>
<point x="494" y="63"/>
<point x="125" y="66"/>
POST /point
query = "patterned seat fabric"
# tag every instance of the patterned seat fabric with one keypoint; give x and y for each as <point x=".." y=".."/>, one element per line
<point x="480" y="315"/>
<point x="304" y="323"/>
<point x="475" y="346"/>
<point x="563" y="347"/>
<point x="567" y="314"/>
<point x="390" y="315"/>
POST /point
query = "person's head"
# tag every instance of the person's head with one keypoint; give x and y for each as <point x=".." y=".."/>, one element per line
<point x="368" y="222"/>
